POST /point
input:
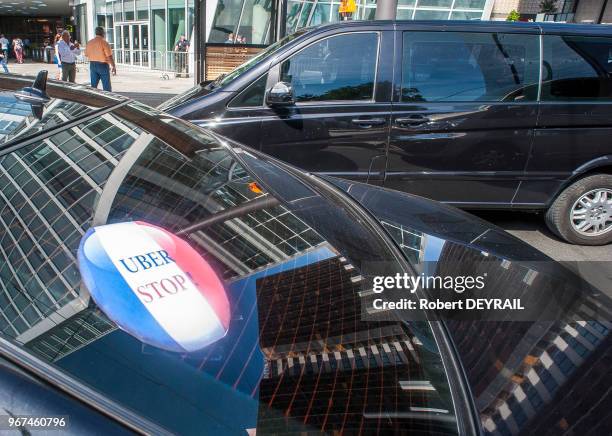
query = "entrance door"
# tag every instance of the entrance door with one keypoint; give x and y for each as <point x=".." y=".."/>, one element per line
<point x="144" y="44"/>
<point x="118" y="52"/>
<point x="127" y="52"/>
<point x="136" y="58"/>
<point x="132" y="44"/>
<point x="464" y="120"/>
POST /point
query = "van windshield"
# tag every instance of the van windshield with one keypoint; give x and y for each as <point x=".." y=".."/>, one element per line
<point x="224" y="80"/>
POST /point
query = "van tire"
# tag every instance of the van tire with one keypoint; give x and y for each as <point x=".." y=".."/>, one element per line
<point x="558" y="216"/>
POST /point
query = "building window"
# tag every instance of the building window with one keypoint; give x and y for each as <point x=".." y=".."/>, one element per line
<point x="563" y="362"/>
<point x="128" y="10"/>
<point x="158" y="32"/>
<point x="548" y="380"/>
<point x="305" y="13"/>
<point x="176" y="22"/>
<point x="142" y="9"/>
<point x="587" y="335"/>
<point x="534" y="397"/>
<point x="242" y="22"/>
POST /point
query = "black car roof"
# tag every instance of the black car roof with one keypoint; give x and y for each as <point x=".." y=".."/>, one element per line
<point x="474" y="25"/>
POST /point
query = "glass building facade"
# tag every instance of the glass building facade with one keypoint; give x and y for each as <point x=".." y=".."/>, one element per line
<point x="249" y="20"/>
<point x="142" y="32"/>
<point x="305" y="13"/>
<point x="47" y="194"/>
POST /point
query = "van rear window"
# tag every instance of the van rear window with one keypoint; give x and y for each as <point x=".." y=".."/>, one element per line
<point x="577" y="68"/>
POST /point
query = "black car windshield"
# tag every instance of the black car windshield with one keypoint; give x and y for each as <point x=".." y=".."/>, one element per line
<point x="142" y="258"/>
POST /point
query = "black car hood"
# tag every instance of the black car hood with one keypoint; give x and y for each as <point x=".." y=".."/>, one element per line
<point x="456" y="242"/>
<point x="513" y="365"/>
<point x="439" y="220"/>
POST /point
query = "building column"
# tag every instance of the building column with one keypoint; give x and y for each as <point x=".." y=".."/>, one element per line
<point x="92" y="21"/>
<point x="386" y="9"/>
<point x="199" y="40"/>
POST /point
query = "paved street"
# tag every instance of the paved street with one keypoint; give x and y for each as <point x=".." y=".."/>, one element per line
<point x="530" y="227"/>
<point x="146" y="86"/>
<point x="592" y="263"/>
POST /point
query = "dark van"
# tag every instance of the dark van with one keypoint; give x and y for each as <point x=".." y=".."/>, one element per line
<point x="478" y="114"/>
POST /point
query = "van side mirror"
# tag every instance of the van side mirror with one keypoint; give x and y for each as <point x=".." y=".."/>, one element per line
<point x="281" y="94"/>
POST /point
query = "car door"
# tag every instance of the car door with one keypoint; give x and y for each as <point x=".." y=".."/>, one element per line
<point x="339" y="124"/>
<point x="463" y="114"/>
<point x="575" y="122"/>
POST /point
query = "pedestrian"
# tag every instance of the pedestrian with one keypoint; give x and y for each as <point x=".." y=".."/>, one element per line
<point x="68" y="52"/>
<point x="181" y="48"/>
<point x="18" y="49"/>
<point x="230" y="39"/>
<point x="58" y="74"/>
<point x="100" y="57"/>
<point x="4" y="47"/>
<point x="26" y="47"/>
<point x="3" y="61"/>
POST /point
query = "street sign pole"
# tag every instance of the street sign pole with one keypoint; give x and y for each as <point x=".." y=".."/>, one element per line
<point x="386" y="9"/>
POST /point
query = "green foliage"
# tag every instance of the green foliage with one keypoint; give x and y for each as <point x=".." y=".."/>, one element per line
<point x="548" y="7"/>
<point x="514" y="15"/>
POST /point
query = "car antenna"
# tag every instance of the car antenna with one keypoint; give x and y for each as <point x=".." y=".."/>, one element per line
<point x="36" y="94"/>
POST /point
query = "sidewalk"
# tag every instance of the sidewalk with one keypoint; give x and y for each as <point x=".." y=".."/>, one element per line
<point x="146" y="86"/>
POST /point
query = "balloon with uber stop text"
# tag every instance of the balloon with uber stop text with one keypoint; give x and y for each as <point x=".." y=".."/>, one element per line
<point x="154" y="285"/>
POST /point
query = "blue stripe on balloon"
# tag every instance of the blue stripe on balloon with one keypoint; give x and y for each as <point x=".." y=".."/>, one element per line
<point x="118" y="301"/>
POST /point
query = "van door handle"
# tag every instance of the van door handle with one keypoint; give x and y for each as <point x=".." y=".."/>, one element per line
<point x="366" y="123"/>
<point x="412" y="121"/>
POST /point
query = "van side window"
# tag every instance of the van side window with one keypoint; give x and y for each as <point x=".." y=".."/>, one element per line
<point x="333" y="69"/>
<point x="253" y="95"/>
<point x="459" y="66"/>
<point x="577" y="68"/>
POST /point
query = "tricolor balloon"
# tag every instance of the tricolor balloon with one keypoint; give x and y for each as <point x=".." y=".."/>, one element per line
<point x="154" y="286"/>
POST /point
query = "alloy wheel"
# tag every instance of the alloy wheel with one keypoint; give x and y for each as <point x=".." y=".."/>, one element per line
<point x="591" y="214"/>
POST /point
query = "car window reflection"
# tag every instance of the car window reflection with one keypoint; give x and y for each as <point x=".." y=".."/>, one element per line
<point x="297" y="355"/>
<point x="16" y="118"/>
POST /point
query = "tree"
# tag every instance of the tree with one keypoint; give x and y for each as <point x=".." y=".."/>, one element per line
<point x="514" y="15"/>
<point x="548" y="7"/>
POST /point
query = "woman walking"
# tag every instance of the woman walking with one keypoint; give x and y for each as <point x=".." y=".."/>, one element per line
<point x="18" y="49"/>
<point x="58" y="75"/>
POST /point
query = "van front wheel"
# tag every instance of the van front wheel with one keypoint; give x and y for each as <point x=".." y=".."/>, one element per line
<point x="582" y="213"/>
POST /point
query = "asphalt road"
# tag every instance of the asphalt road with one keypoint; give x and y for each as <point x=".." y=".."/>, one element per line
<point x="530" y="227"/>
<point x="594" y="264"/>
